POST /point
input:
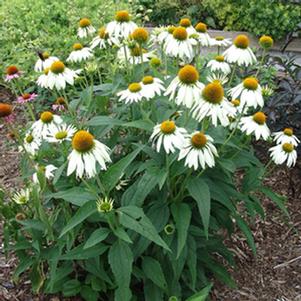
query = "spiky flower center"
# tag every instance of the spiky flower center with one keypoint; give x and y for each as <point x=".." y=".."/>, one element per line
<point x="171" y="29"/>
<point x="29" y="138"/>
<point x="5" y="109"/>
<point x="102" y="33"/>
<point x="61" y="135"/>
<point x="140" y="35"/>
<point x="188" y="75"/>
<point x="198" y="140"/>
<point x="57" y="67"/>
<point x="250" y="83"/>
<point x="134" y="87"/>
<point x="242" y="41"/>
<point x="213" y="93"/>
<point x="60" y="101"/>
<point x="259" y="118"/>
<point x="77" y="46"/>
<point x="26" y="96"/>
<point x="266" y="42"/>
<point x="45" y="55"/>
<point x="147" y="80"/>
<point x="235" y="102"/>
<point x="185" y="22"/>
<point x="168" y="127"/>
<point x="155" y="62"/>
<point x="180" y="33"/>
<point x="104" y="205"/>
<point x="11" y="70"/>
<point x="83" y="141"/>
<point x="135" y="51"/>
<point x="287" y="147"/>
<point x="85" y="22"/>
<point x="122" y="16"/>
<point x="220" y="58"/>
<point x="46" y="117"/>
<point x="201" y="27"/>
<point x="288" y="132"/>
<point x="219" y="38"/>
<point x="20" y="216"/>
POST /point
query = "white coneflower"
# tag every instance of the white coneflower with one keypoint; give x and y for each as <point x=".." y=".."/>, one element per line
<point x="213" y="104"/>
<point x="286" y="136"/>
<point x="41" y="127"/>
<point x="79" y="53"/>
<point x="185" y="88"/>
<point x="122" y="27"/>
<point x="32" y="143"/>
<point x="158" y="35"/>
<point x="180" y="45"/>
<point x="21" y="197"/>
<point x="44" y="61"/>
<point x="57" y="133"/>
<point x="240" y="53"/>
<point x="198" y="151"/>
<point x="104" y="205"/>
<point x="47" y="170"/>
<point x="203" y="36"/>
<point x="217" y="77"/>
<point x="42" y="80"/>
<point x="220" y="41"/>
<point x="168" y="135"/>
<point x="133" y="55"/>
<point x="86" y="152"/>
<point x="132" y="94"/>
<point x="256" y="125"/>
<point x="103" y="40"/>
<point x="249" y="93"/>
<point x="59" y="75"/>
<point x="165" y="35"/>
<point x="151" y="86"/>
<point x="186" y="23"/>
<point x="219" y="65"/>
<point x="284" y="152"/>
<point x="85" y="28"/>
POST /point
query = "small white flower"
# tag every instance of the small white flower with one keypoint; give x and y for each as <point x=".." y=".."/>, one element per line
<point x="284" y="152"/>
<point x="185" y="89"/>
<point x="198" y="151"/>
<point x="122" y="27"/>
<point x="219" y="65"/>
<point x="217" y="77"/>
<point x="57" y="133"/>
<point x="104" y="205"/>
<point x="203" y="36"/>
<point x="40" y="128"/>
<point x="256" y="125"/>
<point x="286" y="136"/>
<point x="158" y="36"/>
<point x="85" y="28"/>
<point x="103" y="40"/>
<point x="42" y="80"/>
<point x="165" y="35"/>
<point x="221" y="41"/>
<point x="32" y="143"/>
<point x="213" y="104"/>
<point x="249" y="93"/>
<point x="79" y="53"/>
<point x="21" y="197"/>
<point x="151" y="86"/>
<point x="44" y="61"/>
<point x="86" y="152"/>
<point x="133" y="55"/>
<point x="180" y="45"/>
<point x="48" y="171"/>
<point x="186" y="23"/>
<point x="168" y="135"/>
<point x="132" y="94"/>
<point x="240" y="53"/>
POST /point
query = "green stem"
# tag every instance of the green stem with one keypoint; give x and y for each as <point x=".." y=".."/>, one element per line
<point x="232" y="74"/>
<point x="141" y="57"/>
<point x="261" y="62"/>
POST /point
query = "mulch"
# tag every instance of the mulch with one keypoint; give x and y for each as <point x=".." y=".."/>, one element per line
<point x="273" y="275"/>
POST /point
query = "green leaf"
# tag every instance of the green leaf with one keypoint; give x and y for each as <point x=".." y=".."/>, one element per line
<point x="88" y="293"/>
<point x="36" y="277"/>
<point x="76" y="195"/>
<point x="153" y="271"/>
<point x="81" y="214"/>
<point x="104" y="120"/>
<point x="182" y="214"/>
<point x="71" y="288"/>
<point x="201" y="295"/>
<point x="247" y="232"/>
<point x="32" y="224"/>
<point x="97" y="236"/>
<point x="199" y="190"/>
<point x="24" y="264"/>
<point x="111" y="177"/>
<point x="141" y="124"/>
<point x="121" y="261"/>
<point x="79" y="253"/>
<point x="59" y="172"/>
<point x="133" y="218"/>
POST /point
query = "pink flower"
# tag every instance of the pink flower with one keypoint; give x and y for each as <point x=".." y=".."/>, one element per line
<point x="12" y="72"/>
<point x="27" y="97"/>
<point x="10" y="119"/>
